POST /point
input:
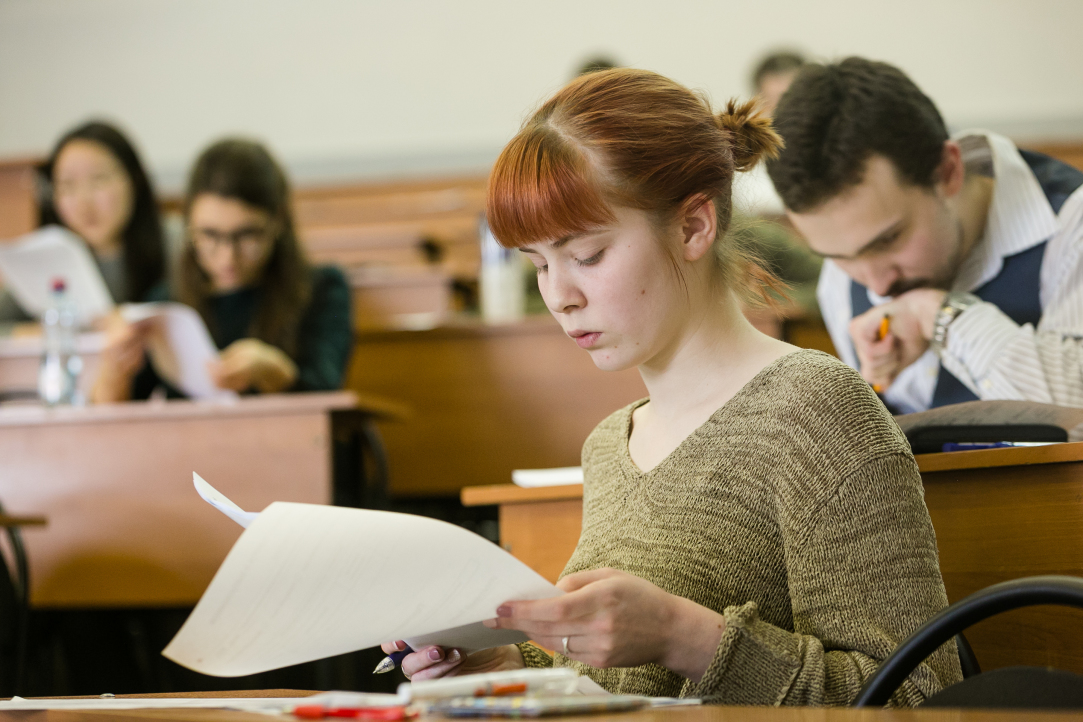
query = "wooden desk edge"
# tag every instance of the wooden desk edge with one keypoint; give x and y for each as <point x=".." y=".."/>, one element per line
<point x="986" y="458"/>
<point x="270" y="404"/>
<point x="512" y="494"/>
<point x="7" y="520"/>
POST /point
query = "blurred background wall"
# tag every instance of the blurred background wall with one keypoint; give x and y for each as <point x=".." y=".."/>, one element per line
<point x="369" y="88"/>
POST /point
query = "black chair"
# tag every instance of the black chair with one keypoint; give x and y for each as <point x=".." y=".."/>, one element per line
<point x="1011" y="687"/>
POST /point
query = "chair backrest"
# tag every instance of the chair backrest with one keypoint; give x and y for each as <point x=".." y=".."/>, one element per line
<point x="1030" y="591"/>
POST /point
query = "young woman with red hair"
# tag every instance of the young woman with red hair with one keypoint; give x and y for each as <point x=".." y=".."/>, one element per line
<point x="755" y="531"/>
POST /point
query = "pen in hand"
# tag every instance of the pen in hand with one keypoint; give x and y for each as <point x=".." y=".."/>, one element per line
<point x="391" y="661"/>
<point x="881" y="334"/>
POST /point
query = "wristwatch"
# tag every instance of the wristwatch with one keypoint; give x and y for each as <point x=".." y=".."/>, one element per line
<point x="954" y="304"/>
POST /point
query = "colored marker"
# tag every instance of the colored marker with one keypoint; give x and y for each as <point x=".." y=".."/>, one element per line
<point x="391" y="661"/>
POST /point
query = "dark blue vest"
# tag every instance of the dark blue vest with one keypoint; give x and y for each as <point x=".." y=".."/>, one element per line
<point x="1016" y="290"/>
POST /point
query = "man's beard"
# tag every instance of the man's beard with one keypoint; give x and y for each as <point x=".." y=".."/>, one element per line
<point x="950" y="269"/>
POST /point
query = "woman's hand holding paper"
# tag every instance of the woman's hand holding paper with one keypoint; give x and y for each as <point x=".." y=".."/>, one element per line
<point x="610" y="618"/>
<point x="251" y="363"/>
<point x="122" y="357"/>
<point x="434" y="662"/>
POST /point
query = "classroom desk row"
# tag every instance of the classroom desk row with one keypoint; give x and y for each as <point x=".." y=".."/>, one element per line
<point x="672" y="714"/>
<point x="998" y="514"/>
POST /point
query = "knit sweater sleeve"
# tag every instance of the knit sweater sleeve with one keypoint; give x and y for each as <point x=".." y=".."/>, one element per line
<point x="863" y="576"/>
<point x="535" y="656"/>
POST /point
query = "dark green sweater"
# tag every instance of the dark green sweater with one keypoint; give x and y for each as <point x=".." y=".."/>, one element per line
<point x="324" y="334"/>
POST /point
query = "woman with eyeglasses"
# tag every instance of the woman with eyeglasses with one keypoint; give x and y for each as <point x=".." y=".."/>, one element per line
<point x="281" y="324"/>
<point x="96" y="187"/>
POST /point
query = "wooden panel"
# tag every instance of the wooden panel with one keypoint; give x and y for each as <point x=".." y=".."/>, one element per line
<point x="1001" y="523"/>
<point x="543" y="534"/>
<point x="487" y="400"/>
<point x="380" y="202"/>
<point x="18" y="198"/>
<point x="126" y="528"/>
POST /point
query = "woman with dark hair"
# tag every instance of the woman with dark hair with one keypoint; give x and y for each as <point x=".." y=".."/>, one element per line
<point x="282" y="324"/>
<point x="95" y="186"/>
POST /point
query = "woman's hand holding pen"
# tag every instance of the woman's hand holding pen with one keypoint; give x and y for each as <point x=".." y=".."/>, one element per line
<point x="884" y="350"/>
<point x="434" y="662"/>
<point x="610" y="618"/>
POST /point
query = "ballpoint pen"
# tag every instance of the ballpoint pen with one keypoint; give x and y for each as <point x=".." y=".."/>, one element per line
<point x="881" y="334"/>
<point x="391" y="661"/>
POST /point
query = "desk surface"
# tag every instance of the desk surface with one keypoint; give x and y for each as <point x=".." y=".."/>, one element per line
<point x="247" y="406"/>
<point x="675" y="714"/>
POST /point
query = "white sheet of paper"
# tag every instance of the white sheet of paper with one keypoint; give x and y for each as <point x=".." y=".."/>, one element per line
<point x="307" y="581"/>
<point x="31" y="263"/>
<point x="219" y="501"/>
<point x="547" y="477"/>
<point x="180" y="347"/>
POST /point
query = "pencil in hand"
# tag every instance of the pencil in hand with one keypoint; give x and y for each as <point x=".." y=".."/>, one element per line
<point x="881" y="334"/>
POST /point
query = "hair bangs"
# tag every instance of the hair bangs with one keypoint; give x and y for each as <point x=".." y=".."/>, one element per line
<point x="542" y="188"/>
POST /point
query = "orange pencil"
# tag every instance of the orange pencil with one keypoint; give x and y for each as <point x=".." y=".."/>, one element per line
<point x="885" y="327"/>
<point x="881" y="334"/>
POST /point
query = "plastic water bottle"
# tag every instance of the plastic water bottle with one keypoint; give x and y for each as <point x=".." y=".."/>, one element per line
<point x="503" y="286"/>
<point x="58" y="378"/>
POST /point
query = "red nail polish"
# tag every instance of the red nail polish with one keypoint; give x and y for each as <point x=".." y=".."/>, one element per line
<point x="503" y="611"/>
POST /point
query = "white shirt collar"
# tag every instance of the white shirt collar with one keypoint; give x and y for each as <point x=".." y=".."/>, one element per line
<point x="1020" y="216"/>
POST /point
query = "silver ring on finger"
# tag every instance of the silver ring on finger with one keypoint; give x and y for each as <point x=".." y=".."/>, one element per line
<point x="564" y="640"/>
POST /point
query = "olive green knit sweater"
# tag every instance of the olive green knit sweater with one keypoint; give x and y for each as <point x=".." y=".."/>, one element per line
<point x="797" y="511"/>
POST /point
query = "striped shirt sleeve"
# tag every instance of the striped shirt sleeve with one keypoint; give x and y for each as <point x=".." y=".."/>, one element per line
<point x="999" y="359"/>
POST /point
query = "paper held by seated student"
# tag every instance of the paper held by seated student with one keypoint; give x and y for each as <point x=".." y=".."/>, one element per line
<point x="306" y="581"/>
<point x="31" y="264"/>
<point x="180" y="347"/>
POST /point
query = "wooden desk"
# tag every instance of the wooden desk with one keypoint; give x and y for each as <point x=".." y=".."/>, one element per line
<point x="999" y="514"/>
<point x="672" y="714"/>
<point x="486" y="400"/>
<point x="126" y="527"/>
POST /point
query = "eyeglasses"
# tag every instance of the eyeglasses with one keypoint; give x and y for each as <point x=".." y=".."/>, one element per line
<point x="248" y="241"/>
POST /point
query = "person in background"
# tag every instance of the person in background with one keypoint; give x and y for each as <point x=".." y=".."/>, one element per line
<point x="969" y="247"/>
<point x="755" y="531"/>
<point x="281" y="324"/>
<point x="95" y="185"/>
<point x="596" y="63"/>
<point x="773" y="75"/>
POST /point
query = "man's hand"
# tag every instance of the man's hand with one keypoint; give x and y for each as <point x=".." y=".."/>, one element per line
<point x="910" y="329"/>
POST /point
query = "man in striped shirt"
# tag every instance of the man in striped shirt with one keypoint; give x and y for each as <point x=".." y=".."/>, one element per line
<point x="971" y="249"/>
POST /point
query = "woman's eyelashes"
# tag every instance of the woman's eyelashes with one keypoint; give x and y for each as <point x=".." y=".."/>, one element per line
<point x="592" y="260"/>
<point x="543" y="267"/>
